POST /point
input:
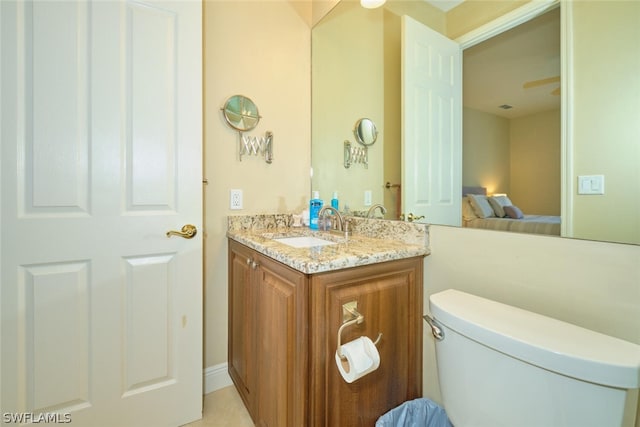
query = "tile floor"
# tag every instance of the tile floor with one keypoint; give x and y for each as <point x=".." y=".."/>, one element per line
<point x="223" y="408"/>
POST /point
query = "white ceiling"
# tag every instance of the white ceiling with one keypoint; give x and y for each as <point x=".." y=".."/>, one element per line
<point x="495" y="70"/>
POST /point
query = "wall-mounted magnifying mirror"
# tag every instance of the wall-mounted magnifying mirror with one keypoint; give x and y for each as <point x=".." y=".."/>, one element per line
<point x="365" y="132"/>
<point x="241" y="113"/>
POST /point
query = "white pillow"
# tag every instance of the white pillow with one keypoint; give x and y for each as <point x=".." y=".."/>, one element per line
<point x="481" y="206"/>
<point x="498" y="203"/>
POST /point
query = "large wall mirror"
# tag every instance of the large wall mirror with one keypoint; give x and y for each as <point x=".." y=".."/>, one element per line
<point x="591" y="128"/>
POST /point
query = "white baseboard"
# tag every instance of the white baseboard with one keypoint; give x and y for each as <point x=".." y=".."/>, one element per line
<point x="216" y="377"/>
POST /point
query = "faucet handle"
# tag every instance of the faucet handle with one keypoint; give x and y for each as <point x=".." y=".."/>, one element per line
<point x="325" y="223"/>
<point x="347" y="227"/>
<point x="333" y="222"/>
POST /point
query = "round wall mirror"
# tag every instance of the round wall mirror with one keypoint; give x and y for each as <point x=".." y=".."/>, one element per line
<point x="365" y="132"/>
<point x="241" y="113"/>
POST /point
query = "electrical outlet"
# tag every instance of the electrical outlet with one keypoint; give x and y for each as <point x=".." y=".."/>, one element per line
<point x="235" y="199"/>
<point x="367" y="198"/>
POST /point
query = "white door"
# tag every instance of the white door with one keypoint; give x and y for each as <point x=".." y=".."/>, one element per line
<point x="101" y="156"/>
<point x="431" y="125"/>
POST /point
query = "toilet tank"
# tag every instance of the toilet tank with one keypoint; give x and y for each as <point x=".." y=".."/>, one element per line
<point x="503" y="366"/>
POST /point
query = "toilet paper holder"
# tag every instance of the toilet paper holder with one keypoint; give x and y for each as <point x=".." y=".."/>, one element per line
<point x="351" y="316"/>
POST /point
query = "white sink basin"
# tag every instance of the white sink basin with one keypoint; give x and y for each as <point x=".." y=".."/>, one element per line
<point x="304" y="241"/>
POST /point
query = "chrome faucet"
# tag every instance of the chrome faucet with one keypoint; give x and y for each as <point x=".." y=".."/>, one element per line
<point x="337" y="215"/>
<point x="374" y="207"/>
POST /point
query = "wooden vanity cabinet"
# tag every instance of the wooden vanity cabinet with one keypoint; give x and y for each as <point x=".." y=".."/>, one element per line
<point x="268" y="335"/>
<point x="241" y="323"/>
<point x="389" y="296"/>
<point x="283" y="336"/>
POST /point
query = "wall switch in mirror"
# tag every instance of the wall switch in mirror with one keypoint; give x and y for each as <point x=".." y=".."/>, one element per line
<point x="591" y="184"/>
<point x="367" y="197"/>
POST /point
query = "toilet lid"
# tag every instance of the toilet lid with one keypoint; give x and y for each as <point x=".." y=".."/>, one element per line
<point x="542" y="341"/>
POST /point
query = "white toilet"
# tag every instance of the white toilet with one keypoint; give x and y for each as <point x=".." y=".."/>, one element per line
<point x="502" y="366"/>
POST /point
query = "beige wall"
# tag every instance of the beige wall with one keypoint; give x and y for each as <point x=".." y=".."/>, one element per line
<point x="319" y="9"/>
<point x="606" y="114"/>
<point x="348" y="72"/>
<point x="485" y="151"/>
<point x="261" y="50"/>
<point x="535" y="163"/>
<point x="392" y="118"/>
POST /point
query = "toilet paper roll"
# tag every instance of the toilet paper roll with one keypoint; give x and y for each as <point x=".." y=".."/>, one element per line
<point x="362" y="358"/>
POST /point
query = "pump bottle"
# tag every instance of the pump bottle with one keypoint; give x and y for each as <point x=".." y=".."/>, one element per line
<point x="334" y="201"/>
<point x="315" y="204"/>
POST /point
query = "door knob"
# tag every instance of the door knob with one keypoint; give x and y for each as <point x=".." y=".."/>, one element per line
<point x="411" y="217"/>
<point x="187" y="232"/>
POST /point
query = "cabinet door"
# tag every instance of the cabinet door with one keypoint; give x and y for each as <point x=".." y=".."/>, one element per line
<point x="389" y="296"/>
<point x="281" y="345"/>
<point x="242" y="331"/>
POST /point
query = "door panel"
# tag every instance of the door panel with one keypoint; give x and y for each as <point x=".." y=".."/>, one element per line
<point x="52" y="119"/>
<point x="53" y="303"/>
<point x="148" y="312"/>
<point x="151" y="89"/>
<point x="101" y="156"/>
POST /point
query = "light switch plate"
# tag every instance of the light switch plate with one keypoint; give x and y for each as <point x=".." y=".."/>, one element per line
<point x="591" y="184"/>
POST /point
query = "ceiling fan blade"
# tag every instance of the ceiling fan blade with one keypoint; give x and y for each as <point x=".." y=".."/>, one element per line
<point x="556" y="91"/>
<point x="534" y="83"/>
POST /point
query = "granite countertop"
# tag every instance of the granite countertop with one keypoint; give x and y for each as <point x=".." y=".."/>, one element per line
<point x="372" y="241"/>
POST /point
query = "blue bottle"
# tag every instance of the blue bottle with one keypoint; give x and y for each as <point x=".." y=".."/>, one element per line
<point x="334" y="201"/>
<point x="314" y="210"/>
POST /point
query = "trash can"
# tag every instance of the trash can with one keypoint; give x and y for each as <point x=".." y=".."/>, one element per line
<point x="419" y="412"/>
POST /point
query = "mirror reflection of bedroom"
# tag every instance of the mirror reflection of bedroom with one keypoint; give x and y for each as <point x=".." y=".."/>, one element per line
<point x="511" y="129"/>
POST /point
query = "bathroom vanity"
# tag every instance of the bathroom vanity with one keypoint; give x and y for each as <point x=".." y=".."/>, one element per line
<point x="285" y="310"/>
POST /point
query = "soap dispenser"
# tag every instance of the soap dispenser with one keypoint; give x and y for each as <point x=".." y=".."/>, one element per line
<point x="334" y="201"/>
<point x="314" y="210"/>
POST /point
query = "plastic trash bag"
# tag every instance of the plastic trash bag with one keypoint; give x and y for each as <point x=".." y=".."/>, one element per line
<point x="415" y="413"/>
